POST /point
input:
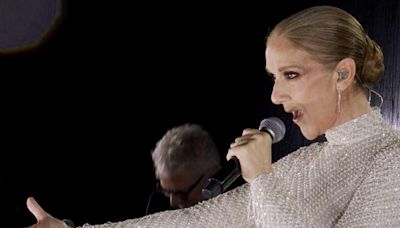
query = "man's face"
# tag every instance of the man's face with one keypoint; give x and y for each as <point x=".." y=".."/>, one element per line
<point x="183" y="188"/>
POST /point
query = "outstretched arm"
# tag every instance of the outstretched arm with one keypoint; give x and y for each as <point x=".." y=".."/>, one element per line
<point x="227" y="210"/>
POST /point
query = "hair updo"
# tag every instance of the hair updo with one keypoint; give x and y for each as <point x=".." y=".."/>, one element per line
<point x="331" y="34"/>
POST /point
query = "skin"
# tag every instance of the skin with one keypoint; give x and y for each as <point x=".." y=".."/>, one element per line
<point x="182" y="180"/>
<point x="307" y="89"/>
<point x="304" y="86"/>
<point x="44" y="220"/>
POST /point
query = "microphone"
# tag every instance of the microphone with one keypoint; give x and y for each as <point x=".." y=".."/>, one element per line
<point x="218" y="183"/>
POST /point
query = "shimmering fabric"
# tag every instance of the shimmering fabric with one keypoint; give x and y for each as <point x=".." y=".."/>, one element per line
<point x="352" y="180"/>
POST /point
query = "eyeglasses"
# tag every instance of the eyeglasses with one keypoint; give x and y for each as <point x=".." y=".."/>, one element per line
<point x="181" y="194"/>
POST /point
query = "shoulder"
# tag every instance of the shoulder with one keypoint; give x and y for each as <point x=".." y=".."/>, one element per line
<point x="386" y="161"/>
<point x="391" y="150"/>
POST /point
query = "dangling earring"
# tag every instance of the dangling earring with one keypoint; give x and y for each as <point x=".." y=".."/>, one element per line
<point x="339" y="98"/>
<point x="342" y="76"/>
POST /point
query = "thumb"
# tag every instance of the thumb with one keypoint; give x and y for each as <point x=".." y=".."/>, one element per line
<point x="36" y="209"/>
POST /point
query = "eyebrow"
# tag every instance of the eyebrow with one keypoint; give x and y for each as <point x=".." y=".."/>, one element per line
<point x="284" y="68"/>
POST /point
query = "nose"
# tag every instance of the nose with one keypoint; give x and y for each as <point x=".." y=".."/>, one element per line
<point x="279" y="94"/>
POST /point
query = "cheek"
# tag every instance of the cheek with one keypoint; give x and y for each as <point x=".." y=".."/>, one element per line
<point x="304" y="95"/>
<point x="317" y="92"/>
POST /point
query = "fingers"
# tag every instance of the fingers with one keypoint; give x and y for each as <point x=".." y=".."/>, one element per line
<point x="247" y="136"/>
<point x="237" y="146"/>
<point x="241" y="141"/>
<point x="248" y="131"/>
<point x="36" y="209"/>
<point x="253" y="150"/>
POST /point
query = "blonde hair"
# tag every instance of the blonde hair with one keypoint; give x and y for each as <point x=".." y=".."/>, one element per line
<point x="331" y="34"/>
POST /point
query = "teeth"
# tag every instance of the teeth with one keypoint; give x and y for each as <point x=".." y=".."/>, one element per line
<point x="297" y="113"/>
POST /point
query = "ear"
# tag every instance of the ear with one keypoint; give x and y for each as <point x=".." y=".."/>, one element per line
<point x="345" y="72"/>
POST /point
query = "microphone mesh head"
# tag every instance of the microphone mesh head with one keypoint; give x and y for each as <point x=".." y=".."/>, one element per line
<point x="275" y="127"/>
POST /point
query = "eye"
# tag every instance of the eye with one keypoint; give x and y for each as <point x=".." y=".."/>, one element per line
<point x="291" y="74"/>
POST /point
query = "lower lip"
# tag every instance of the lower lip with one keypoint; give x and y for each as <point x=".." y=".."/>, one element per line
<point x="297" y="119"/>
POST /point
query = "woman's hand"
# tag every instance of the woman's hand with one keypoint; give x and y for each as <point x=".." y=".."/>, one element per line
<point x="253" y="150"/>
<point x="44" y="220"/>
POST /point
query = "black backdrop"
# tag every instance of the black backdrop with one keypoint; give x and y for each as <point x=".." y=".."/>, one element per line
<point x="83" y="111"/>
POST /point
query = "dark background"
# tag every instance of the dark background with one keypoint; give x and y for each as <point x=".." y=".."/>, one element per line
<point x="82" y="111"/>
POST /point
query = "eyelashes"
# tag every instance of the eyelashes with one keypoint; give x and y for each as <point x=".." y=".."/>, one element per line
<point x="288" y="75"/>
<point x="291" y="74"/>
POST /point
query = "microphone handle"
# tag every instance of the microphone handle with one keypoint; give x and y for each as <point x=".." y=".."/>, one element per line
<point x="231" y="171"/>
<point x="232" y="175"/>
<point x="222" y="179"/>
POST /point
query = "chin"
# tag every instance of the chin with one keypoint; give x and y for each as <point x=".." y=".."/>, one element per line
<point x="309" y="135"/>
<point x="311" y="138"/>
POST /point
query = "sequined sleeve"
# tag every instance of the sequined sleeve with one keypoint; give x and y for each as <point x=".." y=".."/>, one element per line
<point x="352" y="180"/>
<point x="274" y="201"/>
<point x="376" y="203"/>
<point x="227" y="210"/>
<point x="318" y="188"/>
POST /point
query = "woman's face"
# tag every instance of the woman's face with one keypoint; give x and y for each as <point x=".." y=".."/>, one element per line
<point x="303" y="86"/>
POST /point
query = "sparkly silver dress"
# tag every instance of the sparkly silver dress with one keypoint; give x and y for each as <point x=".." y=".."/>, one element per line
<point x="352" y="180"/>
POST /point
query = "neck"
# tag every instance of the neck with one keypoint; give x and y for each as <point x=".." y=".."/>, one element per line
<point x="353" y="104"/>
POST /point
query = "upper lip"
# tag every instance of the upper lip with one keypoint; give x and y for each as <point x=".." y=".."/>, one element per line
<point x="293" y="110"/>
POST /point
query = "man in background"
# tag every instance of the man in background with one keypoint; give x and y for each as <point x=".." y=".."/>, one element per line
<point x="184" y="159"/>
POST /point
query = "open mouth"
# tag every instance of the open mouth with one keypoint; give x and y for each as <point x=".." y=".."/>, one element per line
<point x="297" y="114"/>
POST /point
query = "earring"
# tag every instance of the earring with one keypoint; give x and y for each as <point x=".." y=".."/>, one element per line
<point x="343" y="75"/>
<point x="339" y="98"/>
